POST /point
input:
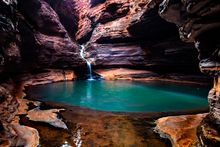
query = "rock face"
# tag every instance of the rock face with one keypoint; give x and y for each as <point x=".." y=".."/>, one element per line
<point x="124" y="33"/>
<point x="198" y="22"/>
<point x="9" y="50"/>
<point x="8" y="110"/>
<point x="66" y="10"/>
<point x="51" y="42"/>
<point x="38" y="34"/>
<point x="46" y="76"/>
<point x="8" y="106"/>
<point x="131" y="33"/>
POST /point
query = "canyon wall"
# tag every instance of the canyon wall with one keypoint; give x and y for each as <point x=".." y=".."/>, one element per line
<point x="41" y="34"/>
<point x="33" y="35"/>
<point x="124" y="33"/>
<point x="199" y="22"/>
<point x="130" y="33"/>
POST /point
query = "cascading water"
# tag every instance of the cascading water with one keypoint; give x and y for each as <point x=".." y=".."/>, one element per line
<point x="82" y="54"/>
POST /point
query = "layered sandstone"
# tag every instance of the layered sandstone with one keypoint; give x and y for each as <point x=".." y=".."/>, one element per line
<point x="42" y="31"/>
<point x="198" y="22"/>
<point x="131" y="33"/>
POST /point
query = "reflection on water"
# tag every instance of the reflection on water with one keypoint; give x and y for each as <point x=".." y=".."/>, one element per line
<point x="66" y="144"/>
<point x="77" y="138"/>
<point x="125" y="96"/>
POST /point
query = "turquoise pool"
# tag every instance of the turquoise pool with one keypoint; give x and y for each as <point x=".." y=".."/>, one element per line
<point x="123" y="96"/>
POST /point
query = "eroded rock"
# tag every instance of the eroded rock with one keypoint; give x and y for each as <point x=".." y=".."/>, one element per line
<point x="146" y="76"/>
<point x="51" y="45"/>
<point x="47" y="76"/>
<point x="23" y="105"/>
<point x="10" y="56"/>
<point x="8" y="106"/>
<point x="181" y="130"/>
<point x="199" y="22"/>
<point x="123" y="73"/>
<point x="48" y="116"/>
<point x="26" y="136"/>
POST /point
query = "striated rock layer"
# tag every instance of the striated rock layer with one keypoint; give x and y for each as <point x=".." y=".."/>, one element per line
<point x="41" y="34"/>
<point x="127" y="33"/>
<point x="199" y="22"/>
<point x="50" y="42"/>
<point x="130" y="33"/>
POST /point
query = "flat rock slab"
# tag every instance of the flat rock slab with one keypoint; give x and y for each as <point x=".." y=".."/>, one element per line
<point x="23" y="105"/>
<point x="181" y="130"/>
<point x="47" y="116"/>
<point x="49" y="76"/>
<point x="124" y="73"/>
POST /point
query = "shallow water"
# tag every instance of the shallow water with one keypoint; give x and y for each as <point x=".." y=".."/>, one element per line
<point x="123" y="96"/>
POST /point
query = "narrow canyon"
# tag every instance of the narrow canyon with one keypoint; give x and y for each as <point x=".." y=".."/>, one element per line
<point x="142" y="41"/>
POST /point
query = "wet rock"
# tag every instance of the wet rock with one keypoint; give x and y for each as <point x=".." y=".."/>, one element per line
<point x="48" y="116"/>
<point x="181" y="130"/>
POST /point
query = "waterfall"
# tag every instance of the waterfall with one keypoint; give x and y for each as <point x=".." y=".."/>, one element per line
<point x="82" y="54"/>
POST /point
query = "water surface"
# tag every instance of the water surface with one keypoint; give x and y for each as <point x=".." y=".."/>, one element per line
<point x="123" y="96"/>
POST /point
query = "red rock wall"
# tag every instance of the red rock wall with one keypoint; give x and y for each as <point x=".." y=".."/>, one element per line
<point x="117" y="33"/>
<point x="52" y="46"/>
<point x="131" y="33"/>
<point x="199" y="22"/>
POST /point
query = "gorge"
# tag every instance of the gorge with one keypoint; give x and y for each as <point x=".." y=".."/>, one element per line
<point x="126" y="42"/>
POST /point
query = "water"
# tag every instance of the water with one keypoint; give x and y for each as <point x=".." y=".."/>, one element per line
<point x="82" y="54"/>
<point x="123" y="96"/>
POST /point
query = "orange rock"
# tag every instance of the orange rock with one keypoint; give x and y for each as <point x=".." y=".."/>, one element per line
<point x="181" y="130"/>
<point x="51" y="75"/>
<point x="123" y="73"/>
